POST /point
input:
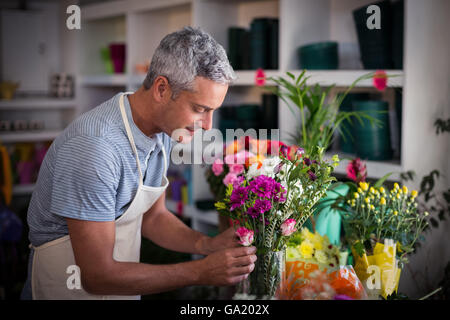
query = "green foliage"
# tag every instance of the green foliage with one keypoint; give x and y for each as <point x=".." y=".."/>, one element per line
<point x="320" y="115"/>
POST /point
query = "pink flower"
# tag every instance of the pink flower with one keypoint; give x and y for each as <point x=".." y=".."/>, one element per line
<point x="230" y="178"/>
<point x="288" y="227"/>
<point x="217" y="167"/>
<point x="245" y="236"/>
<point x="236" y="168"/>
<point x="357" y="171"/>
<point x="380" y="80"/>
<point x="260" y="77"/>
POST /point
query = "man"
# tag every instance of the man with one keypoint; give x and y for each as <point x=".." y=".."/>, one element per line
<point x="102" y="185"/>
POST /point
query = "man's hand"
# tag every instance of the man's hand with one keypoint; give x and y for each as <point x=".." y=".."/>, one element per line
<point x="227" y="267"/>
<point x="225" y="240"/>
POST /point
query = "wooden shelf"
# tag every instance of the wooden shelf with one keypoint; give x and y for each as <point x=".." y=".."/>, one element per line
<point x="29" y="136"/>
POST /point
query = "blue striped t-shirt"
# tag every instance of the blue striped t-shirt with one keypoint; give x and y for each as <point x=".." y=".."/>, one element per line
<point x="90" y="171"/>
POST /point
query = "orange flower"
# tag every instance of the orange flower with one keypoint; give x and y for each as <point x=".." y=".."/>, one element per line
<point x="233" y="147"/>
<point x="256" y="159"/>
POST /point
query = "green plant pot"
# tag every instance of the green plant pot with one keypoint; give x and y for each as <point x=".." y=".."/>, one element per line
<point x="373" y="142"/>
<point x="319" y="56"/>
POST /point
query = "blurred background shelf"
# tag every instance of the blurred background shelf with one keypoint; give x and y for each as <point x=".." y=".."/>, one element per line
<point x="31" y="103"/>
<point x="23" y="189"/>
<point x="29" y="136"/>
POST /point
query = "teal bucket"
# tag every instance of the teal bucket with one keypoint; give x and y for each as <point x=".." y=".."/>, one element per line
<point x="373" y="142"/>
<point x="319" y="56"/>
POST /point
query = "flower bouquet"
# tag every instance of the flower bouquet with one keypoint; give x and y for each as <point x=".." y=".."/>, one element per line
<point x="271" y="201"/>
<point x="238" y="156"/>
<point x="382" y="228"/>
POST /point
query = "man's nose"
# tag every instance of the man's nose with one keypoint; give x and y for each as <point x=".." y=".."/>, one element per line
<point x="207" y="121"/>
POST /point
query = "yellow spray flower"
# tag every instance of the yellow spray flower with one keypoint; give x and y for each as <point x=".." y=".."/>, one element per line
<point x="381" y="189"/>
<point x="398" y="195"/>
<point x="356" y="195"/>
<point x="364" y="185"/>
<point x="306" y="249"/>
<point x="382" y="201"/>
<point x="396" y="186"/>
<point x="405" y="190"/>
<point x="367" y="200"/>
<point x="395" y="212"/>
<point x="372" y="189"/>
<point x="360" y="190"/>
<point x="414" y="193"/>
<point x="372" y="207"/>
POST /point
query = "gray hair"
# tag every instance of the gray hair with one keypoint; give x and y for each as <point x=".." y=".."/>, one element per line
<point x="188" y="53"/>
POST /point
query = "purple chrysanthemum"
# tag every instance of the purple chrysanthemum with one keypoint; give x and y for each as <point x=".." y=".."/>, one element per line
<point x="279" y="193"/>
<point x="238" y="197"/>
<point x="262" y="186"/>
<point x="260" y="206"/>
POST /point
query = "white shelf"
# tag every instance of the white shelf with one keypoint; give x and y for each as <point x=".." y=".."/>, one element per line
<point x="104" y="80"/>
<point x="116" y="8"/>
<point x="341" y="78"/>
<point x="29" y="136"/>
<point x="37" y="103"/>
<point x="210" y="217"/>
<point x="375" y="169"/>
<point x="23" y="189"/>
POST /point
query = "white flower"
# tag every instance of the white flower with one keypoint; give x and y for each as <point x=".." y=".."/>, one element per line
<point x="267" y="168"/>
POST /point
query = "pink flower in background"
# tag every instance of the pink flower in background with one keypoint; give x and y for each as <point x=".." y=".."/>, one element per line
<point x="380" y="80"/>
<point x="217" y="167"/>
<point x="230" y="178"/>
<point x="245" y="236"/>
<point x="260" y="77"/>
<point x="236" y="168"/>
<point x="357" y="171"/>
<point x="288" y="227"/>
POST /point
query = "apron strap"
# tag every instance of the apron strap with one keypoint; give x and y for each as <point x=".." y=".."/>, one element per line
<point x="131" y="139"/>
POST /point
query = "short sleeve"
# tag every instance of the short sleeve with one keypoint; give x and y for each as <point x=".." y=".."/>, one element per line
<point x="85" y="180"/>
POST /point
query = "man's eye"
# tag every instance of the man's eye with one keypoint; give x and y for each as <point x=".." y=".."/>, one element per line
<point x="200" y="110"/>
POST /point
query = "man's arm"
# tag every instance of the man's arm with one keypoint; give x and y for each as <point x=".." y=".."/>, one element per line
<point x="93" y="244"/>
<point x="166" y="230"/>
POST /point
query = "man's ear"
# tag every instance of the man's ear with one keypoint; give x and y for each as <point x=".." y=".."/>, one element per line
<point x="161" y="89"/>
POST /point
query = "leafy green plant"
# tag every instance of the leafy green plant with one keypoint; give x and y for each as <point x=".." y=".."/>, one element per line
<point x="320" y="114"/>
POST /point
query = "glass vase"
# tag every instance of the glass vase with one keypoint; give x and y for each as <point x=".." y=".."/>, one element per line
<point x="265" y="279"/>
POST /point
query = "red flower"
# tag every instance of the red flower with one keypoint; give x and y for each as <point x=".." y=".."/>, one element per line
<point x="357" y="171"/>
<point x="380" y="80"/>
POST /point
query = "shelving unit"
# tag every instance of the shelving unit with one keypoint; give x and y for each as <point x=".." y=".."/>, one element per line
<point x="141" y="25"/>
<point x="29" y="136"/>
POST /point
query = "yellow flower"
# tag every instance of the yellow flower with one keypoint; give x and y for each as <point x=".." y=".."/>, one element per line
<point x="292" y="254"/>
<point x="395" y="212"/>
<point x="372" y="189"/>
<point x="382" y="201"/>
<point x="400" y="191"/>
<point x="366" y="200"/>
<point x="405" y="190"/>
<point x="320" y="256"/>
<point x="360" y="190"/>
<point x="356" y="195"/>
<point x="398" y="195"/>
<point x="396" y="185"/>
<point x="414" y="193"/>
<point x="372" y="207"/>
<point x="318" y="244"/>
<point x="306" y="249"/>
<point x="364" y="185"/>
<point x="381" y="189"/>
<point x="306" y="234"/>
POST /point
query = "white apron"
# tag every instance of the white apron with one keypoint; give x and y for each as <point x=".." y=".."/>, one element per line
<point x="49" y="275"/>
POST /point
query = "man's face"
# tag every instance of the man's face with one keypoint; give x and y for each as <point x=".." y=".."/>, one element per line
<point x="192" y="110"/>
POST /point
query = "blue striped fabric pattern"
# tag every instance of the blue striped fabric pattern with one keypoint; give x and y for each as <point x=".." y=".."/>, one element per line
<point x="90" y="171"/>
